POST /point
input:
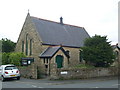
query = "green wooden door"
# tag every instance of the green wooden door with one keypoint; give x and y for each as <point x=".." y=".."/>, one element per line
<point x="59" y="61"/>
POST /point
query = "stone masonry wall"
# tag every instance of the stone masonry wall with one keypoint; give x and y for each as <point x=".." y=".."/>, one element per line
<point x="28" y="71"/>
<point x="85" y="73"/>
<point x="74" y="55"/>
<point x="30" y="30"/>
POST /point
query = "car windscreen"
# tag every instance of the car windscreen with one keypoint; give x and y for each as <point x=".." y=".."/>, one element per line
<point x="10" y="67"/>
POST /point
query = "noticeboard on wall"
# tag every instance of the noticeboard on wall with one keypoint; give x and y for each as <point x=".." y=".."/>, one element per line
<point x="26" y="61"/>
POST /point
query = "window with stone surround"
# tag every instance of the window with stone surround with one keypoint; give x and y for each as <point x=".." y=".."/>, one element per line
<point x="46" y="60"/>
<point x="30" y="47"/>
<point x="26" y="44"/>
<point x="68" y="53"/>
<point x="80" y="56"/>
<point x="22" y="46"/>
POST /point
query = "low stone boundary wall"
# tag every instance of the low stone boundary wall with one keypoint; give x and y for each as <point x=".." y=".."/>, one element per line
<point x="69" y="73"/>
<point x="28" y="71"/>
<point x="86" y="73"/>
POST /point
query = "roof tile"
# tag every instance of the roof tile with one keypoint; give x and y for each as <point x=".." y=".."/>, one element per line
<point x="54" y="33"/>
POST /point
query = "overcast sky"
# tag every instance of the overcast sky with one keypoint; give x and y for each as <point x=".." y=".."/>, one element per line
<point x="96" y="16"/>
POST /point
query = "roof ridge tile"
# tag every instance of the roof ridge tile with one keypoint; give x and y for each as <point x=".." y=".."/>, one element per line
<point x="57" y="22"/>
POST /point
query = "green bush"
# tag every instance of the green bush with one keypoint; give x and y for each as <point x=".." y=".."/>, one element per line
<point x="15" y="58"/>
<point x="12" y="58"/>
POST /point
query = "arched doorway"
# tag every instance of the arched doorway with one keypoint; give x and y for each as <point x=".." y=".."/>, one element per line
<point x="59" y="61"/>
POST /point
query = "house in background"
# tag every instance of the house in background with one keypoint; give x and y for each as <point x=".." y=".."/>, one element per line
<point x="116" y="50"/>
<point x="51" y="44"/>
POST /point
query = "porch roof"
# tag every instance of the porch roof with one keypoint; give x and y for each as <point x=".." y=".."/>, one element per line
<point x="51" y="51"/>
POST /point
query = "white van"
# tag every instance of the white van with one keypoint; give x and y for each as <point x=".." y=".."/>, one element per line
<point x="9" y="71"/>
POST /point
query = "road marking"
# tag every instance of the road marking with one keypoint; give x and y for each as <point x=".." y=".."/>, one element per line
<point x="95" y="87"/>
<point x="40" y="87"/>
<point x="34" y="86"/>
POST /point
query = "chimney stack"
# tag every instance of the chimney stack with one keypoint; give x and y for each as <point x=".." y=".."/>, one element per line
<point x="61" y="20"/>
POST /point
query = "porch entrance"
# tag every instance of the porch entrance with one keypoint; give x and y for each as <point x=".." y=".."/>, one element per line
<point x="59" y="61"/>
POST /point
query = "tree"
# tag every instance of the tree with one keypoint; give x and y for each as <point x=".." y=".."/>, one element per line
<point x="8" y="45"/>
<point x="98" y="51"/>
<point x="8" y="56"/>
<point x="5" y="58"/>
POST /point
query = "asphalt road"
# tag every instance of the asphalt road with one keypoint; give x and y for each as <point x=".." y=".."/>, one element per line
<point x="111" y="82"/>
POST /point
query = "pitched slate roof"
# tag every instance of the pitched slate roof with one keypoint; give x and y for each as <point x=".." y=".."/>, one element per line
<point x="51" y="51"/>
<point x="54" y="33"/>
<point x="116" y="46"/>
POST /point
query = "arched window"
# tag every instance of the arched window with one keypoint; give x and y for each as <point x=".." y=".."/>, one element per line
<point x="22" y="46"/>
<point x="30" y="47"/>
<point x="68" y="54"/>
<point x="80" y="56"/>
<point x="26" y="44"/>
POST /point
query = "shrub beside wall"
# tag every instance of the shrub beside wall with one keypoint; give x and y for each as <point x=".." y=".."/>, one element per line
<point x="12" y="58"/>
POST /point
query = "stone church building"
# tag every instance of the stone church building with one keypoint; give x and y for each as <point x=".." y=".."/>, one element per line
<point x="51" y="44"/>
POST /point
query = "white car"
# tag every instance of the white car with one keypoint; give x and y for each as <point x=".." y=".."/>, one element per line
<point x="9" y="71"/>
